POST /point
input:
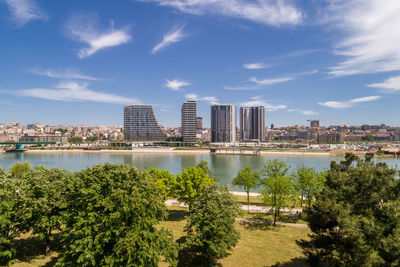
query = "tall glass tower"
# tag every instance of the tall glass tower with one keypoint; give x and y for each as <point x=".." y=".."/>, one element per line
<point x="140" y="124"/>
<point x="189" y="121"/>
<point x="252" y="123"/>
<point x="223" y="123"/>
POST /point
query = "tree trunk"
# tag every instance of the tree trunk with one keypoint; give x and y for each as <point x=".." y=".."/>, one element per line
<point x="47" y="252"/>
<point x="301" y="200"/>
<point x="248" y="201"/>
<point x="275" y="214"/>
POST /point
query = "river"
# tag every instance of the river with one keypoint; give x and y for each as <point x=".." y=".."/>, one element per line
<point x="225" y="167"/>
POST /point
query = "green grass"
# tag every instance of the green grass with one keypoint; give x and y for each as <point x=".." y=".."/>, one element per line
<point x="259" y="245"/>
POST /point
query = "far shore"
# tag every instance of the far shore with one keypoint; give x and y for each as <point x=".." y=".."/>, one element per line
<point x="179" y="151"/>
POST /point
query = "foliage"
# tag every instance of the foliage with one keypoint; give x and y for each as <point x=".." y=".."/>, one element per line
<point x="165" y="181"/>
<point x="277" y="187"/>
<point x="91" y="138"/>
<point x="210" y="226"/>
<point x="203" y="164"/>
<point x="356" y="218"/>
<point x="189" y="183"/>
<point x="45" y="191"/>
<point x="248" y="180"/>
<point x="369" y="137"/>
<point x="19" y="169"/>
<point x="61" y="130"/>
<point x="113" y="210"/>
<point x="75" y="140"/>
<point x="308" y="183"/>
<point x="14" y="215"/>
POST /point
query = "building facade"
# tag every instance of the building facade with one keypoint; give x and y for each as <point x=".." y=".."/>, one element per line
<point x="140" y="124"/>
<point x="189" y="121"/>
<point x="223" y="123"/>
<point x="199" y="123"/>
<point x="252" y="123"/>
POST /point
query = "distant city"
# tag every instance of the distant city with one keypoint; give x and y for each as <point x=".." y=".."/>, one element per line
<point x="141" y="125"/>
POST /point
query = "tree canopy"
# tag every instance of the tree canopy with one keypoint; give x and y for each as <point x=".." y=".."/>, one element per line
<point x="308" y="183"/>
<point x="355" y="219"/>
<point x="247" y="179"/>
<point x="210" y="226"/>
<point x="113" y="211"/>
<point x="277" y="187"/>
<point x="164" y="180"/>
<point x="189" y="183"/>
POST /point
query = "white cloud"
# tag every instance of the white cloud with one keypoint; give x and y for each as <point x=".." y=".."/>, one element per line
<point x="258" y="101"/>
<point x="72" y="91"/>
<point x="255" y="66"/>
<point x="304" y="112"/>
<point x="211" y="99"/>
<point x="24" y="11"/>
<point x="84" y="29"/>
<point x="173" y="36"/>
<point x="260" y="83"/>
<point x="349" y="103"/>
<point x="269" y="12"/>
<point x="175" y="85"/>
<point x="371" y="35"/>
<point x="390" y="84"/>
<point x="64" y="74"/>
<point x="271" y="81"/>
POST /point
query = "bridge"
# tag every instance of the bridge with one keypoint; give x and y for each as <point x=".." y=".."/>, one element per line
<point x="20" y="145"/>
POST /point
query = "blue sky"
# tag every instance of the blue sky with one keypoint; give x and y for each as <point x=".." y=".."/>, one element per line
<point x="79" y="61"/>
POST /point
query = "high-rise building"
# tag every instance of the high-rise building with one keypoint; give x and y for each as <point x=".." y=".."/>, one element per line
<point x="223" y="123"/>
<point x="252" y="123"/>
<point x="314" y="123"/>
<point x="140" y="124"/>
<point x="189" y="121"/>
<point x="199" y="123"/>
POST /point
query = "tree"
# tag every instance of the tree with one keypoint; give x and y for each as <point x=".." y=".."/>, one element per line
<point x="165" y="181"/>
<point x="355" y="220"/>
<point x="75" y="140"/>
<point x="210" y="226"/>
<point x="369" y="137"/>
<point x="248" y="180"/>
<point x="277" y="187"/>
<point x="203" y="164"/>
<point x="19" y="169"/>
<point x="13" y="215"/>
<point x="189" y="184"/>
<point x="113" y="210"/>
<point x="308" y="183"/>
<point x="45" y="192"/>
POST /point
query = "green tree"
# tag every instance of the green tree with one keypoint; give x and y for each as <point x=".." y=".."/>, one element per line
<point x="210" y="226"/>
<point x="355" y="220"/>
<point x="369" y="137"/>
<point x="91" y="139"/>
<point x="19" y="169"/>
<point x="203" y="164"/>
<point x="308" y="183"/>
<point x="45" y="191"/>
<point x="75" y="140"/>
<point x="113" y="211"/>
<point x="247" y="179"/>
<point x="277" y="187"/>
<point x="165" y="181"/>
<point x="13" y="215"/>
<point x="189" y="184"/>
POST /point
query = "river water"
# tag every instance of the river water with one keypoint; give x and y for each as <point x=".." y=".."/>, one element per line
<point x="225" y="167"/>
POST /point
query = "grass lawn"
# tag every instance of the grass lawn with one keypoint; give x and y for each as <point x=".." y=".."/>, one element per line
<point x="259" y="245"/>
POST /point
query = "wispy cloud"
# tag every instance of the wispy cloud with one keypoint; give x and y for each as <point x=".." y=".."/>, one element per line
<point x="64" y="74"/>
<point x="391" y="84"/>
<point x="211" y="99"/>
<point x="72" y="91"/>
<point x="260" y="83"/>
<point x="175" y="35"/>
<point x="255" y="66"/>
<point x="85" y="29"/>
<point x="269" y="12"/>
<point x="24" y="11"/>
<point x="259" y="101"/>
<point x="304" y="112"/>
<point x="371" y="35"/>
<point x="349" y="103"/>
<point x="175" y="85"/>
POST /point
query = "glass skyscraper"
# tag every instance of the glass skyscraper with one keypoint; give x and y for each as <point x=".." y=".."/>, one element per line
<point x="252" y="123"/>
<point x="223" y="123"/>
<point x="189" y="121"/>
<point x="140" y="124"/>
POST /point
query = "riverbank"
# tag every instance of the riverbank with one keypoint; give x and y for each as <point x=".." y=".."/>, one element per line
<point x="177" y="151"/>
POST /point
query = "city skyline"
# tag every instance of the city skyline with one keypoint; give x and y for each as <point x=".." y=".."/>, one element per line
<point x="76" y="63"/>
